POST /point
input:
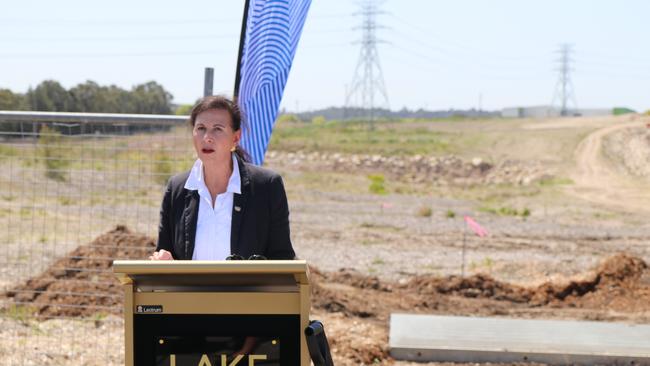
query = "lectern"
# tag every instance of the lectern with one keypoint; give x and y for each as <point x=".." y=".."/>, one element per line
<point x="215" y="313"/>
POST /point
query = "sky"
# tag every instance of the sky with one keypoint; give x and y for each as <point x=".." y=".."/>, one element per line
<point x="434" y="54"/>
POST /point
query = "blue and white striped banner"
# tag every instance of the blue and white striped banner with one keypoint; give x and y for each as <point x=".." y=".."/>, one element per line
<point x="273" y="29"/>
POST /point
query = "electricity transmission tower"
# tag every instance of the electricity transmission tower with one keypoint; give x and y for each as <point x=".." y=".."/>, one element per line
<point x="368" y="80"/>
<point x="564" y="92"/>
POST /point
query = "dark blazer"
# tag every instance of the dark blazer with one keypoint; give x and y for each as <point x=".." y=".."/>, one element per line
<point x="260" y="216"/>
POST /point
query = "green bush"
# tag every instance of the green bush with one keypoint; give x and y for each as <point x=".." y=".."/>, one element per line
<point x="163" y="167"/>
<point x="288" y="118"/>
<point x="53" y="154"/>
<point x="183" y="110"/>
<point x="318" y="120"/>
<point x="617" y="111"/>
<point x="377" y="184"/>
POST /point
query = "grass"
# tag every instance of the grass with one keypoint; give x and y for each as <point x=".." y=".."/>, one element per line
<point x="505" y="211"/>
<point x="555" y="181"/>
<point x="7" y="152"/>
<point x="370" y="225"/>
<point x="487" y="263"/>
<point x="19" y="313"/>
<point x="163" y="167"/>
<point x="490" y="139"/>
<point x="355" y="138"/>
<point x="305" y="181"/>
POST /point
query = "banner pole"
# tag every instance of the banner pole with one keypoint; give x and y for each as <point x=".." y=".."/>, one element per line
<point x="242" y="39"/>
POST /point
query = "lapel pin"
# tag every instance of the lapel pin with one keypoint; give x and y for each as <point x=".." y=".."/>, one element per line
<point x="237" y="208"/>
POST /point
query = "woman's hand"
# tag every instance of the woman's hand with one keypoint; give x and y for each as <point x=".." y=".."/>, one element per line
<point x="161" y="255"/>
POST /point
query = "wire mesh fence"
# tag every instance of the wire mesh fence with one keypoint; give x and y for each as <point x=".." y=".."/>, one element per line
<point x="74" y="196"/>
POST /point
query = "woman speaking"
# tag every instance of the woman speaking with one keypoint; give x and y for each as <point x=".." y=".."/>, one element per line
<point x="224" y="207"/>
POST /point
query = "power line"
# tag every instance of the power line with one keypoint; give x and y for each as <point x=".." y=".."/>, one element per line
<point x="368" y="78"/>
<point x="135" y="38"/>
<point x="133" y="22"/>
<point x="109" y="54"/>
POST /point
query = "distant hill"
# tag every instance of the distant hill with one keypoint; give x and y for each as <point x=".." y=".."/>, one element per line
<point x="342" y="113"/>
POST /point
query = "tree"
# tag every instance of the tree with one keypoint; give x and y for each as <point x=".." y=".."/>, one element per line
<point x="117" y="100"/>
<point x="10" y="101"/>
<point x="87" y="97"/>
<point x="91" y="97"/>
<point x="49" y="96"/>
<point x="152" y="98"/>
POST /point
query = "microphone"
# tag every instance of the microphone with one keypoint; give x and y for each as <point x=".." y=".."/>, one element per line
<point x="234" y="257"/>
<point x="257" y="257"/>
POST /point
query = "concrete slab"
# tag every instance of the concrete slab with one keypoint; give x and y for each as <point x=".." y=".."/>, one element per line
<point x="469" y="339"/>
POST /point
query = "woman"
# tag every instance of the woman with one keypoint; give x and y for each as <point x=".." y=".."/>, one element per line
<point x="223" y="206"/>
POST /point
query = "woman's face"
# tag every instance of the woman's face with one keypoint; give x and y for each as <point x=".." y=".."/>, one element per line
<point x="214" y="137"/>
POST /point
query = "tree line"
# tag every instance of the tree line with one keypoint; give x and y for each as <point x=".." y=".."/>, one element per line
<point x="51" y="96"/>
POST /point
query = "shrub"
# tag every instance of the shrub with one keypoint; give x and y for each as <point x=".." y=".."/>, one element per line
<point x="288" y="118"/>
<point x="377" y="184"/>
<point x="53" y="154"/>
<point x="506" y="211"/>
<point x="425" y="211"/>
<point x="183" y="110"/>
<point x="163" y="167"/>
<point x="318" y="120"/>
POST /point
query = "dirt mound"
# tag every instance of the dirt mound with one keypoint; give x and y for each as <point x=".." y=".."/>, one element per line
<point x="439" y="170"/>
<point x="619" y="283"/>
<point x="631" y="148"/>
<point x="82" y="283"/>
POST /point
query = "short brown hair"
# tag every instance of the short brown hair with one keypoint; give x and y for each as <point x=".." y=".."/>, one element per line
<point x="222" y="103"/>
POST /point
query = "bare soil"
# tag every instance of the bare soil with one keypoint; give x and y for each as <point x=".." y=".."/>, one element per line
<point x="354" y="306"/>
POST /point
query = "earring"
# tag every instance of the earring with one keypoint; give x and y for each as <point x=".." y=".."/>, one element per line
<point x="233" y="148"/>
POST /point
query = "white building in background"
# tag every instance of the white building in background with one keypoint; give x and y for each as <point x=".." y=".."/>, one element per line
<point x="541" y="111"/>
<point x="545" y="111"/>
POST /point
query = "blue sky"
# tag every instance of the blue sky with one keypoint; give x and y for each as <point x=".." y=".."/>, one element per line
<point x="436" y="55"/>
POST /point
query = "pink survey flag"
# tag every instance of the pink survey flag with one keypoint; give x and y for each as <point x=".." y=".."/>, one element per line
<point x="476" y="228"/>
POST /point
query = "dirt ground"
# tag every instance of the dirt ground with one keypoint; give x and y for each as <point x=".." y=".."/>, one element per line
<point x="356" y="307"/>
<point x="581" y="253"/>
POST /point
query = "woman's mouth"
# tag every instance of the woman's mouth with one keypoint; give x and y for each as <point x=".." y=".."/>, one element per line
<point x="207" y="151"/>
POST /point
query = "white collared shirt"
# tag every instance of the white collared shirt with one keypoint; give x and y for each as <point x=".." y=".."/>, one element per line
<point x="213" y="226"/>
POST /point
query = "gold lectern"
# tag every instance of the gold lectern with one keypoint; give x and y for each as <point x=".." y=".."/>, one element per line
<point x="215" y="313"/>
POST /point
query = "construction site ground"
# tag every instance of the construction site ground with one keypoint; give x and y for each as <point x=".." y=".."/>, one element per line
<point x="567" y="241"/>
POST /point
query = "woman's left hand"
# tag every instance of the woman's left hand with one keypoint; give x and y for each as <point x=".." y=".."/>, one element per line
<point x="161" y="255"/>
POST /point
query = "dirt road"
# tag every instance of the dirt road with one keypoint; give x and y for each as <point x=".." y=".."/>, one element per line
<point x="596" y="181"/>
